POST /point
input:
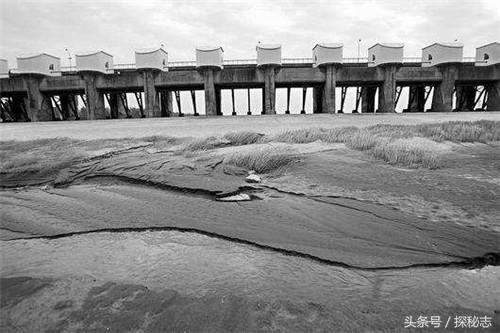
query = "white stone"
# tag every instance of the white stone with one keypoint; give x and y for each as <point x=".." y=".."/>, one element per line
<point x="253" y="178"/>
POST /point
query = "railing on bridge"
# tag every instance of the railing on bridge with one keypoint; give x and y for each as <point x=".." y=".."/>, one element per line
<point x="243" y="62"/>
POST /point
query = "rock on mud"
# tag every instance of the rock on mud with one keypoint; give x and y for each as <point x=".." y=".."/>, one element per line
<point x="253" y="178"/>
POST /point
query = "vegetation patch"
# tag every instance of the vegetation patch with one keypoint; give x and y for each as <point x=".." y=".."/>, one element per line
<point x="243" y="138"/>
<point x="307" y="135"/>
<point x="462" y="131"/>
<point x="413" y="152"/>
<point x="264" y="159"/>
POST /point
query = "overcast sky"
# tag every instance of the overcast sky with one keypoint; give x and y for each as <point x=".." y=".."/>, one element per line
<point x="119" y="27"/>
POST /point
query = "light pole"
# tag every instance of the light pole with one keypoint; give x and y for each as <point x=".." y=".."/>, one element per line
<point x="359" y="42"/>
<point x="69" y="58"/>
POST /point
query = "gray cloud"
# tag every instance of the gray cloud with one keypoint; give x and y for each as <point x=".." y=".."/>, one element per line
<point x="121" y="26"/>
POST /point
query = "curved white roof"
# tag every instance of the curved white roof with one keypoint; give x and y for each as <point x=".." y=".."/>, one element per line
<point x="34" y="55"/>
<point x="90" y="53"/>
<point x="329" y="45"/>
<point x="489" y="44"/>
<point x="391" y="45"/>
<point x="268" y="46"/>
<point x="446" y="45"/>
<point x="150" y="50"/>
<point x="208" y="48"/>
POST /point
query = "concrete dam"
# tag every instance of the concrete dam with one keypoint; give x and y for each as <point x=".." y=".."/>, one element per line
<point x="40" y="89"/>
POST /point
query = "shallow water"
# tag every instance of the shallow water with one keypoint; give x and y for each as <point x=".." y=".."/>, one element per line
<point x="199" y="265"/>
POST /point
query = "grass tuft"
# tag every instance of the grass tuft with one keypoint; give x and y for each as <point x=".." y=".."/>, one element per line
<point x="307" y="135"/>
<point x="203" y="144"/>
<point x="243" y="138"/>
<point x="413" y="152"/>
<point x="264" y="159"/>
<point x="462" y="131"/>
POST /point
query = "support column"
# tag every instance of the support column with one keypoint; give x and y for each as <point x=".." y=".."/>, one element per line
<point x="368" y="100"/>
<point x="416" y="99"/>
<point x="210" y="96"/>
<point x="442" y="100"/>
<point x="166" y="103"/>
<point x="269" y="90"/>
<point x="465" y="98"/>
<point x="328" y="100"/>
<point x="232" y="103"/>
<point x="218" y="101"/>
<point x="95" y="98"/>
<point x="113" y="105"/>
<point x="493" y="102"/>
<point x="317" y="100"/>
<point x="123" y="111"/>
<point x="152" y="102"/>
<point x="387" y="92"/>
<point x="65" y="106"/>
<point x="249" y="112"/>
<point x="38" y="106"/>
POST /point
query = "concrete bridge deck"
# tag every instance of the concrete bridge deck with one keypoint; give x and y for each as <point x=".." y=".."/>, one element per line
<point x="29" y="96"/>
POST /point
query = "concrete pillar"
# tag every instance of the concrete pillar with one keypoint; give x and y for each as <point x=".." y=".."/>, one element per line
<point x="210" y="95"/>
<point x="18" y="108"/>
<point x="368" y="99"/>
<point x="38" y="106"/>
<point x="416" y="99"/>
<point x="218" y="101"/>
<point x="493" y="102"/>
<point x="166" y="103"/>
<point x="318" y="99"/>
<point x="442" y="100"/>
<point x="328" y="100"/>
<point x="269" y="90"/>
<point x="387" y="92"/>
<point x="151" y="98"/>
<point x="465" y="98"/>
<point x="113" y="105"/>
<point x="95" y="98"/>
<point x="66" y="106"/>
<point x="122" y="107"/>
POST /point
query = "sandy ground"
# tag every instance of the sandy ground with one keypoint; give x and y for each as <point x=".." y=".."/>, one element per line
<point x="336" y="206"/>
<point x="202" y="126"/>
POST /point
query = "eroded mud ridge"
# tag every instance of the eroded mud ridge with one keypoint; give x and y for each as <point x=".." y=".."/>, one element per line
<point x="337" y="230"/>
<point x="168" y="280"/>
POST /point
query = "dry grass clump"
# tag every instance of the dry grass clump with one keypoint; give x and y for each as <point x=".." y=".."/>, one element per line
<point x="307" y="135"/>
<point x="362" y="140"/>
<point x="161" y="140"/>
<point x="39" y="156"/>
<point x="203" y="144"/>
<point x="412" y="152"/>
<point x="393" y="131"/>
<point x="264" y="159"/>
<point x="462" y="131"/>
<point x="243" y="138"/>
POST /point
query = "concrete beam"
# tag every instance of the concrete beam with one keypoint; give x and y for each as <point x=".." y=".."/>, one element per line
<point x="38" y="106"/>
<point x="151" y="97"/>
<point x="493" y="102"/>
<point x="442" y="100"/>
<point x="328" y="100"/>
<point x="269" y="90"/>
<point x="95" y="98"/>
<point x="387" y="91"/>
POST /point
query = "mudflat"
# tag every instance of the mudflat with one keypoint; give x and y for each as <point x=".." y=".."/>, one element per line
<point x="385" y="198"/>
